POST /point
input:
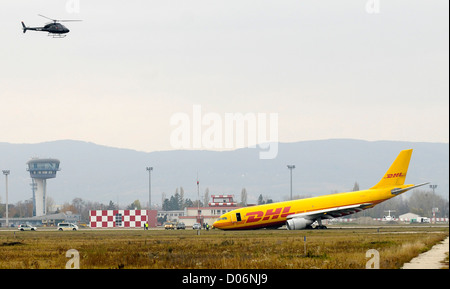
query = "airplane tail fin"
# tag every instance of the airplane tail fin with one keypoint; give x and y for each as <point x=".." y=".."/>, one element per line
<point x="396" y="174"/>
<point x="24" y="27"/>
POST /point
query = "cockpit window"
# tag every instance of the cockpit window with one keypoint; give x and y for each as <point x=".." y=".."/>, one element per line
<point x="221" y="219"/>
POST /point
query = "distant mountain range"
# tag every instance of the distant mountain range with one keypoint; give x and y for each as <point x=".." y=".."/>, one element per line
<point x="100" y="173"/>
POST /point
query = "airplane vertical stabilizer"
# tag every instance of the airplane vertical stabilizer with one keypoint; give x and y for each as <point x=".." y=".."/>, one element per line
<point x="396" y="174"/>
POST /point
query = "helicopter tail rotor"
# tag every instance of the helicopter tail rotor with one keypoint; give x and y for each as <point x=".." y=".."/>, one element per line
<point x="24" y="27"/>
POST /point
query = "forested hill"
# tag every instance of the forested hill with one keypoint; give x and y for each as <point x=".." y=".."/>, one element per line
<point x="100" y="173"/>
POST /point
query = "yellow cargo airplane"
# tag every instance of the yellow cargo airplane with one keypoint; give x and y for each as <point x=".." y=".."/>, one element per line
<point x="301" y="214"/>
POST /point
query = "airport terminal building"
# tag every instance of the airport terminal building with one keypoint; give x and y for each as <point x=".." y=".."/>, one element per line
<point x="219" y="205"/>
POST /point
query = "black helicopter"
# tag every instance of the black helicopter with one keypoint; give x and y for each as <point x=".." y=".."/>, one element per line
<point x="54" y="29"/>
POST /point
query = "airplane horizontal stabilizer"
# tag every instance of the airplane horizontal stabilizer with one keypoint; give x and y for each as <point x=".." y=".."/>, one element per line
<point x="399" y="191"/>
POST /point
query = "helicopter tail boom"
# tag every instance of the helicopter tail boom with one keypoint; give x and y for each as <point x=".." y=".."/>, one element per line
<point x="25" y="28"/>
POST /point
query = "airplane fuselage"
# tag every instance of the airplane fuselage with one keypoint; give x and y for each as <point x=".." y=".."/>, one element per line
<point x="275" y="214"/>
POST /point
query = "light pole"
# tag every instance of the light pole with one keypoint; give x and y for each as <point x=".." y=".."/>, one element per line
<point x="6" y="173"/>
<point x="291" y="167"/>
<point x="149" y="169"/>
<point x="198" y="200"/>
<point x="433" y="209"/>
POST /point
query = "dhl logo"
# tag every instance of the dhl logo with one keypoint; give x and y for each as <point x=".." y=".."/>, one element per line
<point x="271" y="213"/>
<point x="397" y="175"/>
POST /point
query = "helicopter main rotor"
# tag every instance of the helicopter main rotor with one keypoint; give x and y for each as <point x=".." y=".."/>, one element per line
<point x="56" y="20"/>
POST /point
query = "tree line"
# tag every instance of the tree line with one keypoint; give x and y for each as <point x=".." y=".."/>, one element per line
<point x="418" y="202"/>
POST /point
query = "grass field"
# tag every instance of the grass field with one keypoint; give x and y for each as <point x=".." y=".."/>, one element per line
<point x="214" y="249"/>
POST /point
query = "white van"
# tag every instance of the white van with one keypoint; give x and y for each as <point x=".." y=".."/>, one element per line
<point x="67" y="226"/>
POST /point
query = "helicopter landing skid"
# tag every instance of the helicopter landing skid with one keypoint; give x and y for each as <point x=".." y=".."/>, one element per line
<point x="54" y="35"/>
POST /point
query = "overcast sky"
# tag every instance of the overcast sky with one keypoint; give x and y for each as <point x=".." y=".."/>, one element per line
<point x="328" y="69"/>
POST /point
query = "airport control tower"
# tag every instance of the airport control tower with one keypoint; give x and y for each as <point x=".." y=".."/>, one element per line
<point x="41" y="170"/>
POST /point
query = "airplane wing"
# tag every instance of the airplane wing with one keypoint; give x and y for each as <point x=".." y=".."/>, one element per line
<point x="332" y="212"/>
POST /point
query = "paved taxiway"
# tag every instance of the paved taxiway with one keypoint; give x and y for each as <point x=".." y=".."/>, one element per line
<point x="431" y="259"/>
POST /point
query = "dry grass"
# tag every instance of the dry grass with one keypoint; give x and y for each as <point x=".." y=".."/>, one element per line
<point x="445" y="262"/>
<point x="273" y="249"/>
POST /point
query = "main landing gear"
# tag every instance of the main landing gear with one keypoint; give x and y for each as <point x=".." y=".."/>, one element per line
<point x="320" y="226"/>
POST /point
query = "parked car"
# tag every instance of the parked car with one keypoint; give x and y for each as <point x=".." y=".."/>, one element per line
<point x="169" y="226"/>
<point x="197" y="226"/>
<point x="181" y="226"/>
<point x="67" y="227"/>
<point x="26" y="227"/>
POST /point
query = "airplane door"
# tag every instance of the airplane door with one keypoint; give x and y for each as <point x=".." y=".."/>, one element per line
<point x="235" y="217"/>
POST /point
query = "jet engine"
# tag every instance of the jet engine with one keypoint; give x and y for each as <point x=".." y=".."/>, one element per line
<point x="298" y="223"/>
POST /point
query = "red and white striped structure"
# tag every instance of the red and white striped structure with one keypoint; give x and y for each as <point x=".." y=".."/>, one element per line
<point x="121" y="218"/>
<point x="222" y="200"/>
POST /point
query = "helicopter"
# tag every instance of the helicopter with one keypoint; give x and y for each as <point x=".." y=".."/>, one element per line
<point x="54" y="29"/>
